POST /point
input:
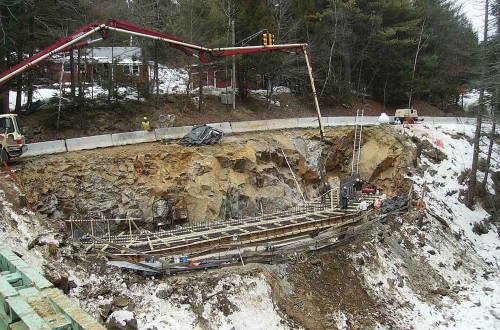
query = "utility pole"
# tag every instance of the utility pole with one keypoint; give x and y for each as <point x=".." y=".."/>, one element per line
<point x="233" y="77"/>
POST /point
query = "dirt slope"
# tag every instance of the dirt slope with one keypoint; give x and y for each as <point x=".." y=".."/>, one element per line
<point x="126" y="116"/>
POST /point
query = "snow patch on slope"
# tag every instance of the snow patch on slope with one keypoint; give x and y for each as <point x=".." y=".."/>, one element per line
<point x="233" y="302"/>
<point x="436" y="277"/>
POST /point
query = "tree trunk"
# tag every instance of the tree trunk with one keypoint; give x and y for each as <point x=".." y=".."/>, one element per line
<point x="19" y="85"/>
<point x="346" y="55"/>
<point x="241" y="81"/>
<point x="157" y="76"/>
<point x="472" y="179"/>
<point x="269" y="93"/>
<point x="346" y="69"/>
<point x="419" y="47"/>
<point x="385" y="90"/>
<point x="29" y="76"/>
<point x="488" y="159"/>
<point x="79" y="76"/>
<point x="188" y="86"/>
<point x="200" y="92"/>
<point x="4" y="89"/>
<point x="72" y="73"/>
<point x="471" y="192"/>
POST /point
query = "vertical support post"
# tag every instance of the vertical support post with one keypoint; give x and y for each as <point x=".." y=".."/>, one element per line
<point x="359" y="145"/>
<point x="109" y="230"/>
<point x="71" y="226"/>
<point x="331" y="199"/>
<point x="315" y="96"/>
<point x="92" y="226"/>
<point x="130" y="229"/>
<point x="233" y="73"/>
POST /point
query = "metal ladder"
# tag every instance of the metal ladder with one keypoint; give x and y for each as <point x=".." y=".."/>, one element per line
<point x="358" y="132"/>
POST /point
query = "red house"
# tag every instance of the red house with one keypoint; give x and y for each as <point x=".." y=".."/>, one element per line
<point x="97" y="64"/>
<point x="219" y="76"/>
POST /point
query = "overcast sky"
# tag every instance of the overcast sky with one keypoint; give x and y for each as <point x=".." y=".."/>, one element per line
<point x="474" y="9"/>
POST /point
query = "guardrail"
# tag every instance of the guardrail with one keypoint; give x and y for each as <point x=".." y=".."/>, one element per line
<point x="118" y="139"/>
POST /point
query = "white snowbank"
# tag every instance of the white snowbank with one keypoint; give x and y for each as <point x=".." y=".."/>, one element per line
<point x="467" y="262"/>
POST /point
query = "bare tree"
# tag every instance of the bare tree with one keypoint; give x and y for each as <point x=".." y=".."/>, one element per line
<point x="471" y="193"/>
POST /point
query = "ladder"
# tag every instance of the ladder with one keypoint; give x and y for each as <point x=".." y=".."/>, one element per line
<point x="358" y="132"/>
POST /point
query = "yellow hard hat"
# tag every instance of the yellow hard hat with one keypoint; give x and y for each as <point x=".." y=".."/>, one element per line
<point x="145" y="118"/>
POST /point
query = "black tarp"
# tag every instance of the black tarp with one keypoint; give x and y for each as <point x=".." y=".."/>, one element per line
<point x="201" y="135"/>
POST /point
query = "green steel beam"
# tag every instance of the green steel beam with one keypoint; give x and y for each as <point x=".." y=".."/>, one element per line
<point x="29" y="301"/>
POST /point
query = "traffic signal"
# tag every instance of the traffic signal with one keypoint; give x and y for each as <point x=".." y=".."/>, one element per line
<point x="267" y="39"/>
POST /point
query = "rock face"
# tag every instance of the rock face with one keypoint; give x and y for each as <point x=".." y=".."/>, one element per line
<point x="380" y="155"/>
<point x="241" y="176"/>
<point x="121" y="320"/>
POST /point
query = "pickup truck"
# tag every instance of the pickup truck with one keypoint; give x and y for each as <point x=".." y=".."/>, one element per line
<point x="12" y="140"/>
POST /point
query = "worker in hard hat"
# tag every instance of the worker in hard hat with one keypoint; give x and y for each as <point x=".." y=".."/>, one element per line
<point x="344" y="198"/>
<point x="358" y="187"/>
<point x="146" y="125"/>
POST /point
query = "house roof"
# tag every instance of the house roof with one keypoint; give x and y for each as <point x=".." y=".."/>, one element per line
<point x="121" y="55"/>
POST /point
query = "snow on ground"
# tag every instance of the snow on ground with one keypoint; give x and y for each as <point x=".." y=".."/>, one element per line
<point x="460" y="266"/>
<point x="444" y="186"/>
<point x="18" y="229"/>
<point x="172" y="81"/>
<point x="234" y="302"/>
<point x="471" y="99"/>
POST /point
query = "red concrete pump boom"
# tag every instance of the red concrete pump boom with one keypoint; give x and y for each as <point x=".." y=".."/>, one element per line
<point x="204" y="54"/>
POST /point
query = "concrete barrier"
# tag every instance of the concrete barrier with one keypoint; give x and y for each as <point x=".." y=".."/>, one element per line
<point x="249" y="126"/>
<point x="370" y="120"/>
<point x="309" y="122"/>
<point x="172" y="132"/>
<point x="350" y="121"/>
<point x="103" y="141"/>
<point x="120" y="139"/>
<point x="45" y="148"/>
<point x="225" y="127"/>
<point x="339" y="121"/>
<point x="282" y="123"/>
<point x="89" y="142"/>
